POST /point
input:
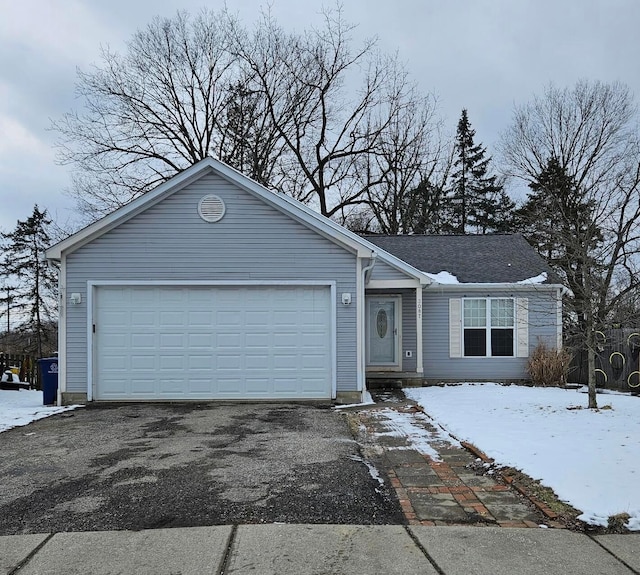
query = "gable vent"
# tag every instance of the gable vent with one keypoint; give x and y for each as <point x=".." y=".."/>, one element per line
<point x="211" y="208"/>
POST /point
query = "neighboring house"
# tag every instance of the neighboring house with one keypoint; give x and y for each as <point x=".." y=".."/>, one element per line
<point x="213" y="287"/>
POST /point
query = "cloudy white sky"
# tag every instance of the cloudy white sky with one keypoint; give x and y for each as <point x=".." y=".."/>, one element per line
<point x="485" y="55"/>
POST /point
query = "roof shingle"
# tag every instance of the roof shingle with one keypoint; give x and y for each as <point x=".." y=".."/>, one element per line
<point x="495" y="258"/>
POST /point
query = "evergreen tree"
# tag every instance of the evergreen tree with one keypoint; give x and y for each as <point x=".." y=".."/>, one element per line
<point x="560" y="223"/>
<point x="477" y="202"/>
<point x="425" y="208"/>
<point x="23" y="260"/>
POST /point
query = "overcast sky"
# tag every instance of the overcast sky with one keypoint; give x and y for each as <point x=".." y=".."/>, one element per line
<point x="484" y="55"/>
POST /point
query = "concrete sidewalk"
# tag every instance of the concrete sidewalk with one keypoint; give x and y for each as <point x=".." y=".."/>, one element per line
<point x="327" y="549"/>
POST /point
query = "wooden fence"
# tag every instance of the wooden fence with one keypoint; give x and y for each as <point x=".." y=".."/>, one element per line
<point x="27" y="366"/>
<point x="617" y="360"/>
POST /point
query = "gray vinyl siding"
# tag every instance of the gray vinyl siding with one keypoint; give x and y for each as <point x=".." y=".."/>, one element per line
<point x="438" y="364"/>
<point x="169" y="241"/>
<point x="409" y="338"/>
<point x="384" y="271"/>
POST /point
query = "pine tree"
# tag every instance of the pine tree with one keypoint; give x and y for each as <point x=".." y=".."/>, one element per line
<point x="559" y="222"/>
<point x="425" y="208"/>
<point x="23" y="260"/>
<point x="477" y="202"/>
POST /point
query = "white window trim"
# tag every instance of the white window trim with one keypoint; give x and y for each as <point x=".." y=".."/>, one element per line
<point x="488" y="327"/>
<point x="521" y="328"/>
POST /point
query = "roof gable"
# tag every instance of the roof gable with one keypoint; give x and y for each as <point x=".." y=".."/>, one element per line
<point x="293" y="208"/>
<point x="494" y="259"/>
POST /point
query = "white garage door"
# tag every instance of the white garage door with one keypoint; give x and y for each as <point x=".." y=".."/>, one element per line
<point x="240" y="342"/>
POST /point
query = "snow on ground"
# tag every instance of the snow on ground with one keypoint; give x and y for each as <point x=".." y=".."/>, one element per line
<point x="591" y="459"/>
<point x="22" y="407"/>
<point x="408" y="425"/>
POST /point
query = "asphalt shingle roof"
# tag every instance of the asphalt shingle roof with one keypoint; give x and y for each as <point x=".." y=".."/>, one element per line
<point x="499" y="258"/>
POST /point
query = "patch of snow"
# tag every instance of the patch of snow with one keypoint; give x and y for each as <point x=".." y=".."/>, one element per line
<point x="443" y="277"/>
<point x="373" y="471"/>
<point x="540" y="278"/>
<point x="588" y="457"/>
<point x="19" y="408"/>
<point x="408" y="425"/>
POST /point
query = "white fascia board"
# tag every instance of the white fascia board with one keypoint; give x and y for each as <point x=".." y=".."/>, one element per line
<point x="495" y="286"/>
<point x="208" y="283"/>
<point x="394" y="284"/>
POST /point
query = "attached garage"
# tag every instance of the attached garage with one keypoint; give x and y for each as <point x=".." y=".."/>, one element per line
<point x="212" y="287"/>
<point x="190" y="342"/>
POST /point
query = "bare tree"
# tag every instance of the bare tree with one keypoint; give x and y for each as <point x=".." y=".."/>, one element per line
<point x="149" y="113"/>
<point x="579" y="148"/>
<point x="408" y="152"/>
<point x="299" y="112"/>
<point x="332" y="104"/>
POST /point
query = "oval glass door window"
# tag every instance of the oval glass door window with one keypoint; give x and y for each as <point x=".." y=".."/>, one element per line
<point x="381" y="323"/>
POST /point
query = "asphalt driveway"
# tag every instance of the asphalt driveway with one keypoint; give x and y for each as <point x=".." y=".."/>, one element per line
<point x="142" y="466"/>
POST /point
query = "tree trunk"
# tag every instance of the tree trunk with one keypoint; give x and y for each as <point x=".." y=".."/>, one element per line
<point x="591" y="362"/>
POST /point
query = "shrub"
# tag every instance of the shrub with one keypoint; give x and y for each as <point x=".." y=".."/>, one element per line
<point x="548" y="366"/>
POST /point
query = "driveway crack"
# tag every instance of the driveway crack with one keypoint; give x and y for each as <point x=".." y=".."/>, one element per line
<point x="31" y="555"/>
<point x="224" y="564"/>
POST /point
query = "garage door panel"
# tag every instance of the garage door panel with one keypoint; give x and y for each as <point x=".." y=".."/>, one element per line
<point x="143" y="362"/>
<point x="142" y="387"/>
<point x="198" y="318"/>
<point x="228" y="385"/>
<point x="141" y="297"/>
<point x="213" y="342"/>
<point x="258" y="318"/>
<point x="197" y="362"/>
<point x="257" y="385"/>
<point x="285" y="340"/>
<point x="229" y="318"/>
<point x="199" y="386"/>
<point x="257" y="340"/>
<point x="255" y="361"/>
<point x="197" y="341"/>
<point x="285" y="385"/>
<point x="114" y="341"/>
<point x="173" y="319"/>
<point x="172" y="362"/>
<point x="170" y="341"/>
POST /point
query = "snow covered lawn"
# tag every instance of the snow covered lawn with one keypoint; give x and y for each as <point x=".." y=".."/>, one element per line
<point x="591" y="459"/>
<point x="22" y="407"/>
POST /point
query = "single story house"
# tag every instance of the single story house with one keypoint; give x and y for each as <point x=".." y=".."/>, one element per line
<point x="211" y="286"/>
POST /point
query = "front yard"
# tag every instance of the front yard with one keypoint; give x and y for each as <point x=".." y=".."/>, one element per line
<point x="591" y="459"/>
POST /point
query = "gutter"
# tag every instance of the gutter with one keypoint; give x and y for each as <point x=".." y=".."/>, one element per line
<point x="494" y="286"/>
<point x="366" y="272"/>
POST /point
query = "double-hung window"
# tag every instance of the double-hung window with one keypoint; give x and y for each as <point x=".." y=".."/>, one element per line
<point x="488" y="326"/>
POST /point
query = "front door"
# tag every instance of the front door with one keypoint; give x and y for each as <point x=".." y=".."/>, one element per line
<point x="383" y="332"/>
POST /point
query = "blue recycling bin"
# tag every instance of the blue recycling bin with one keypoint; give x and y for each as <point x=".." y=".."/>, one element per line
<point x="49" y="375"/>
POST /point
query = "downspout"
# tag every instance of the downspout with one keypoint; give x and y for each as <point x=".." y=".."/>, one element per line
<point x="368" y="268"/>
<point x="366" y="274"/>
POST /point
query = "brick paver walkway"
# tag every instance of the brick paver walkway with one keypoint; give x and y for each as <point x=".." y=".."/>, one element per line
<point x="439" y="482"/>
